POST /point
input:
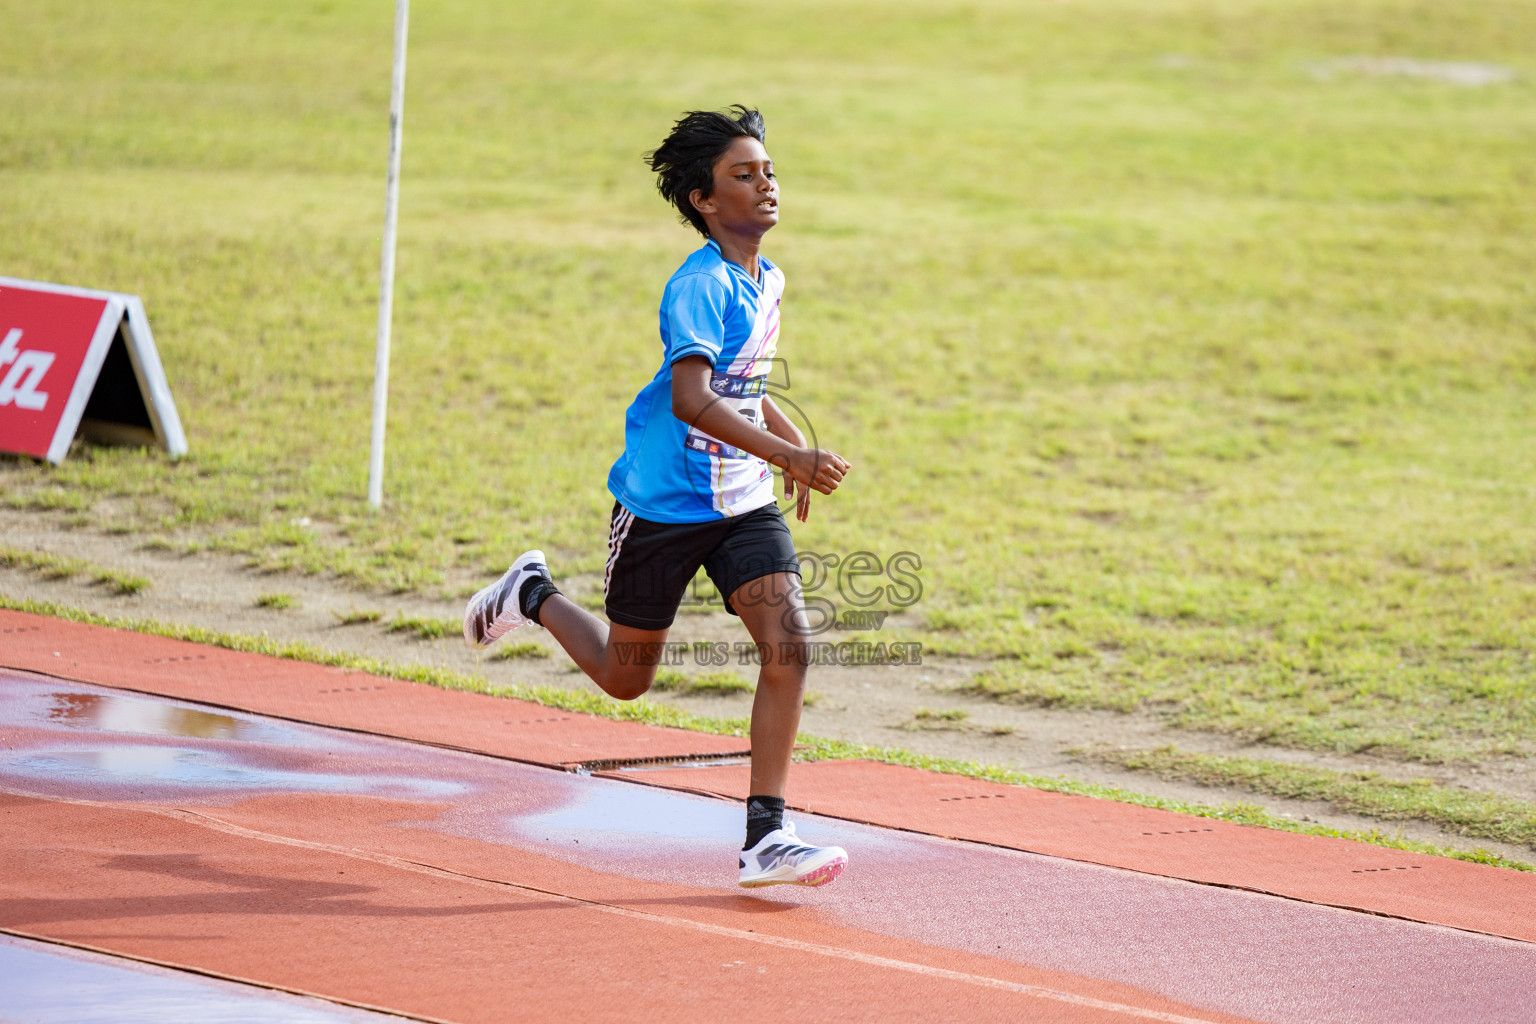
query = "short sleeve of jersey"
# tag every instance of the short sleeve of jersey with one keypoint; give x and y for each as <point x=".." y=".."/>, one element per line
<point x="693" y="314"/>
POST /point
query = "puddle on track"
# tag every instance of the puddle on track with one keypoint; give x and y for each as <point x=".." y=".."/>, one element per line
<point x="111" y="712"/>
<point x="608" y="814"/>
<point x="30" y="701"/>
<point x="204" y="769"/>
<point x="41" y="983"/>
<point x="116" y="740"/>
<point x="619" y="813"/>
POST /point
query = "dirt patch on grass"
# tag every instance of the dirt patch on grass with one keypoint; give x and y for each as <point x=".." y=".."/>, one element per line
<point x="916" y="707"/>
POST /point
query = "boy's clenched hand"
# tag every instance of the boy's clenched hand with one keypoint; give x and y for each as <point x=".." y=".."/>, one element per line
<point x="810" y="468"/>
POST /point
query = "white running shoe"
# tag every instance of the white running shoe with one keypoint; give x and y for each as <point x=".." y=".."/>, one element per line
<point x="780" y="858"/>
<point x="496" y="609"/>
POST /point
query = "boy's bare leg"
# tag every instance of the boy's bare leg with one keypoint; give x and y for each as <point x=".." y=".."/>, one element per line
<point x="772" y="609"/>
<point x="595" y="646"/>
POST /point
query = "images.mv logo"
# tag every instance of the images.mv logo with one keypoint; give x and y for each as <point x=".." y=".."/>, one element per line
<point x="23" y="371"/>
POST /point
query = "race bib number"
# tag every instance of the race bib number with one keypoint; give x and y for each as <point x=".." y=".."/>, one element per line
<point x="745" y="395"/>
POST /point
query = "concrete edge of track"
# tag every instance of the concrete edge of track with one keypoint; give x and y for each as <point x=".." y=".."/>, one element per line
<point x="1334" y="872"/>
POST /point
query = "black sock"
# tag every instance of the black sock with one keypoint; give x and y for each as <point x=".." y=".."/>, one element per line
<point x="534" y="593"/>
<point x="764" y="814"/>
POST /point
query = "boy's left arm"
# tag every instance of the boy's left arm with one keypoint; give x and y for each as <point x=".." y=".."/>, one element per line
<point x="780" y="426"/>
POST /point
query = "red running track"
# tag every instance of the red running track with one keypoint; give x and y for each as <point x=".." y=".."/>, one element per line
<point x="1311" y="868"/>
<point x="454" y="886"/>
<point x="1316" y="869"/>
<point x="337" y="697"/>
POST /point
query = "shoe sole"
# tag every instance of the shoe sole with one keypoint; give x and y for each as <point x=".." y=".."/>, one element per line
<point x="469" y="619"/>
<point x="469" y="636"/>
<point x="469" y="632"/>
<point x="820" y="876"/>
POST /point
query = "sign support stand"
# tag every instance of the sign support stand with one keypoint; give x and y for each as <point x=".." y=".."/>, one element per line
<point x="387" y="261"/>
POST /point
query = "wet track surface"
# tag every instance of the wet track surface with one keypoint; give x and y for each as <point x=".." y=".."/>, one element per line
<point x="91" y="740"/>
<point x="42" y="983"/>
<point x="1212" y="949"/>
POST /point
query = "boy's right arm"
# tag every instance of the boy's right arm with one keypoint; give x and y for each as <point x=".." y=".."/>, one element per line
<point x="695" y="404"/>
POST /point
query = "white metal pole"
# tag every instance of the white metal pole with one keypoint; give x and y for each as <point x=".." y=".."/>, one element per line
<point x="387" y="262"/>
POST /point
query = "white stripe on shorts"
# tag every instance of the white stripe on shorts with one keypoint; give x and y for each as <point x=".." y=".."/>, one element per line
<point x="621" y="524"/>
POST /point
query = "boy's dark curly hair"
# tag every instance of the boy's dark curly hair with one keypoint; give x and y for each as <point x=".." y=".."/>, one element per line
<point x="686" y="158"/>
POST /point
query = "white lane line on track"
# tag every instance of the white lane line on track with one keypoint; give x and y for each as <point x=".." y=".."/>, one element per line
<point x="799" y="945"/>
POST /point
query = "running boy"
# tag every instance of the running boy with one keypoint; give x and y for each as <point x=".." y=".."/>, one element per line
<point x="693" y="487"/>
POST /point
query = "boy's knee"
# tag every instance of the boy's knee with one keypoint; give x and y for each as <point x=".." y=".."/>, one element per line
<point x="626" y="687"/>
<point x="783" y="674"/>
<point x="792" y="656"/>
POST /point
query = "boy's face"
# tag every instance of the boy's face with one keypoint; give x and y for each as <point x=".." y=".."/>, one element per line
<point x="746" y="196"/>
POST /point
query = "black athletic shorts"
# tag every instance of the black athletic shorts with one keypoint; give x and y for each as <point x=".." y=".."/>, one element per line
<point x="651" y="564"/>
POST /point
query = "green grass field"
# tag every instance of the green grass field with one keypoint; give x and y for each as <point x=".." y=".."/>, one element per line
<point x="1198" y="370"/>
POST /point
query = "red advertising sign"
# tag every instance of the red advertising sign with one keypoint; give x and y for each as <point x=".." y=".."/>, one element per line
<point x="54" y="343"/>
<point x="44" y="340"/>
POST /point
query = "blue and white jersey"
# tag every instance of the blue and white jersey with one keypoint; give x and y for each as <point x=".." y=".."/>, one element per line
<point x="671" y="472"/>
